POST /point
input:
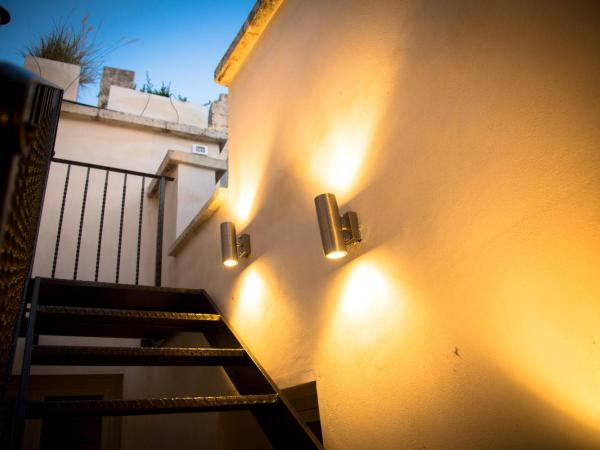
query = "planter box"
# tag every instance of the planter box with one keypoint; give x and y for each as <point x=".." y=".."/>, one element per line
<point x="64" y="75"/>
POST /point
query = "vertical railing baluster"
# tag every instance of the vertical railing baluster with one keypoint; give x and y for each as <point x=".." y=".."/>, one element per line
<point x="60" y="220"/>
<point x="85" y="189"/>
<point x="121" y="228"/>
<point x="139" y="240"/>
<point x="101" y="227"/>
<point x="159" y="232"/>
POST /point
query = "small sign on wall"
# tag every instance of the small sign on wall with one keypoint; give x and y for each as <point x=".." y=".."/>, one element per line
<point x="200" y="149"/>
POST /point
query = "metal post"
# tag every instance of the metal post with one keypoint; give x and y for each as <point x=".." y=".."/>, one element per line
<point x="159" y="231"/>
<point x="21" y="407"/>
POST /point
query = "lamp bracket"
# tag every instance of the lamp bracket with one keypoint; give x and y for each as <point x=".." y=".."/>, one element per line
<point x="243" y="245"/>
<point x="350" y="228"/>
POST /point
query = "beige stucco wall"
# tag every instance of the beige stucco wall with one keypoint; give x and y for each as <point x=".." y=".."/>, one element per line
<point x="465" y="134"/>
<point x="195" y="187"/>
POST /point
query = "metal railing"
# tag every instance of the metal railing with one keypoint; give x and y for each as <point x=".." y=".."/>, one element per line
<point x="162" y="179"/>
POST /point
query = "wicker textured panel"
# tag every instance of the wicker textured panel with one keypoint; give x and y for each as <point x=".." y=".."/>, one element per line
<point x="21" y="210"/>
<point x="125" y="313"/>
<point x="148" y="406"/>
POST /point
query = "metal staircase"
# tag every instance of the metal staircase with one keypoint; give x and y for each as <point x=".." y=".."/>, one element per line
<point x="78" y="308"/>
<point x="29" y="308"/>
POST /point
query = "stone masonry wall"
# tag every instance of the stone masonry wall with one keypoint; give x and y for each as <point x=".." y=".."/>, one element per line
<point x="114" y="77"/>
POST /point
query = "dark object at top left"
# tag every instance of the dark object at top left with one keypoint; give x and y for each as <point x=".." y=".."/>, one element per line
<point x="4" y="16"/>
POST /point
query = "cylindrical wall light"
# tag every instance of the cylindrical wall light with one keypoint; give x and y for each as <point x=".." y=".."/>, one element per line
<point x="233" y="247"/>
<point x="337" y="233"/>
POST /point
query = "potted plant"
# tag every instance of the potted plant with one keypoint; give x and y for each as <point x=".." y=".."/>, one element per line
<point x="69" y="57"/>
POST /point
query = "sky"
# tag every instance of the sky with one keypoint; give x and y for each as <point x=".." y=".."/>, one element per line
<point x="177" y="41"/>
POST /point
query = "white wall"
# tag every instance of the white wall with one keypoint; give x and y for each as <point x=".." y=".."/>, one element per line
<point x="465" y="134"/>
<point x="158" y="107"/>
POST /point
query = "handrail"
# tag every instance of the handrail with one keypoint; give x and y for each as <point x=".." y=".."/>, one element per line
<point x="111" y="169"/>
<point x="160" y="220"/>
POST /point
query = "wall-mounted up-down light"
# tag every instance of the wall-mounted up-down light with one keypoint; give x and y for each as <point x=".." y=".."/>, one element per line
<point x="337" y="233"/>
<point x="233" y="247"/>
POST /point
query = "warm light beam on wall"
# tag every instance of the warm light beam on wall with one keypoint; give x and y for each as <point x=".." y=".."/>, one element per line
<point x="247" y="171"/>
<point x="347" y="132"/>
<point x="245" y="203"/>
<point x="373" y="335"/>
<point x="345" y="147"/>
<point x="251" y="292"/>
<point x="367" y="293"/>
<point x="367" y="304"/>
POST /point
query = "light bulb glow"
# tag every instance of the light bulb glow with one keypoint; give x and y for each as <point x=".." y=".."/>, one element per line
<point x="230" y="262"/>
<point x="336" y="255"/>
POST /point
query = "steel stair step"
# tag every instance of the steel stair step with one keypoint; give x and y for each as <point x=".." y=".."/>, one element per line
<point x="66" y="307"/>
<point x="172" y="405"/>
<point x="58" y="355"/>
<point x="88" y="294"/>
<point x="126" y="323"/>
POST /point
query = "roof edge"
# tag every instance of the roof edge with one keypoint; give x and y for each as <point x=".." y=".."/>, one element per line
<point x="261" y="14"/>
<point x="89" y="112"/>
